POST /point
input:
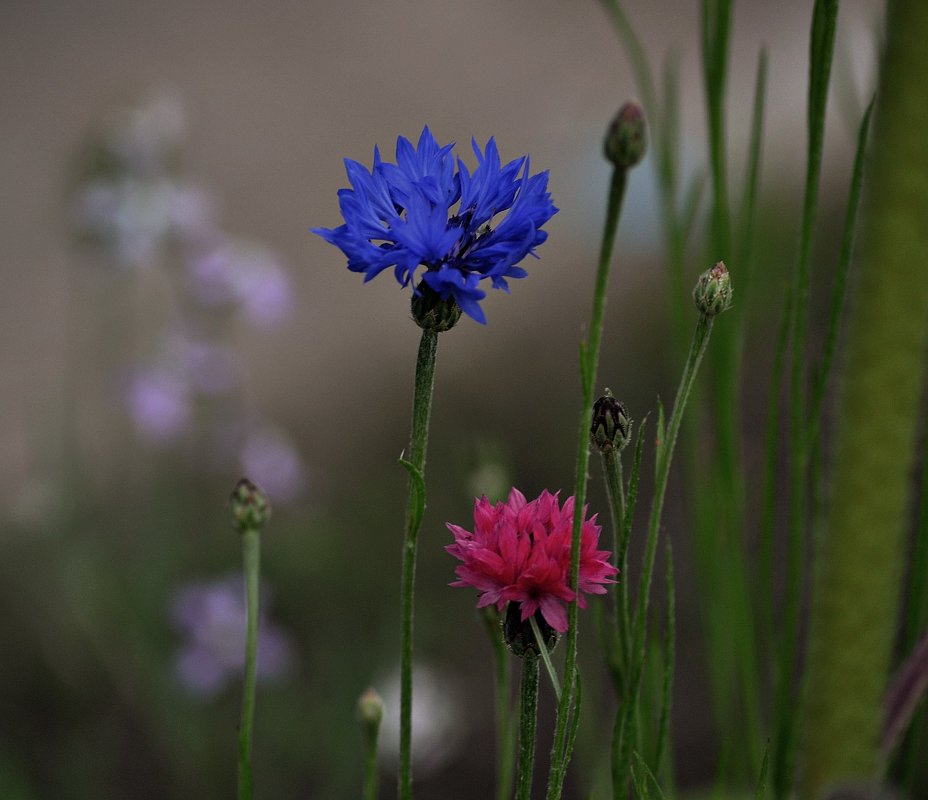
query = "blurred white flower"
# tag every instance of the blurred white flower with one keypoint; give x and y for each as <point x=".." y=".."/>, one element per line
<point x="438" y="721"/>
<point x="136" y="221"/>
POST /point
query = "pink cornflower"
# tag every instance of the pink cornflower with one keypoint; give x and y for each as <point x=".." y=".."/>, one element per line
<point x="520" y="552"/>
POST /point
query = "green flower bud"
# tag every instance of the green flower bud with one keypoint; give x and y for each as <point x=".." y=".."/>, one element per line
<point x="431" y="313"/>
<point x="713" y="291"/>
<point x="370" y="712"/>
<point x="627" y="138"/>
<point x="249" y="506"/>
<point x="518" y="633"/>
<point x="612" y="427"/>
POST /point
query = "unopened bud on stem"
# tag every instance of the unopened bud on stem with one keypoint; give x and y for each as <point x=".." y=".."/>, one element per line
<point x="713" y="291"/>
<point x="370" y="712"/>
<point x="611" y="428"/>
<point x="627" y="139"/>
<point x="249" y="506"/>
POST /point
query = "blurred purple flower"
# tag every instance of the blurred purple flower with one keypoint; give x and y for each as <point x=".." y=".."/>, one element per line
<point x="210" y="368"/>
<point x="211" y="618"/>
<point x="234" y="271"/>
<point x="273" y="462"/>
<point x="159" y="404"/>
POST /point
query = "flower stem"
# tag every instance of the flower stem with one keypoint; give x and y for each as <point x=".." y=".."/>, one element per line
<point x="505" y="743"/>
<point x="528" y="713"/>
<point x="418" y="442"/>
<point x="546" y="657"/>
<point x="622" y="743"/>
<point x="370" y="768"/>
<point x="612" y="471"/>
<point x="251" y="553"/>
<point x="589" y="359"/>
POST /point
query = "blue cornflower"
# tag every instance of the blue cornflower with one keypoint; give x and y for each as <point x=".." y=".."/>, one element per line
<point x="428" y="210"/>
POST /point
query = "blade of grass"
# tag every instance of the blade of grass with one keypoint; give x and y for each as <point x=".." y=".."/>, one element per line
<point x="839" y="291"/>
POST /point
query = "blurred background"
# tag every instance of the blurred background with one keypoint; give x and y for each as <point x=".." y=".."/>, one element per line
<point x="169" y="324"/>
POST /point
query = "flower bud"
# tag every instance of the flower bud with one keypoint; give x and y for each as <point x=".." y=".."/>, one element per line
<point x="627" y="138"/>
<point x="249" y="506"/>
<point x="713" y="291"/>
<point x="612" y="427"/>
<point x="518" y="633"/>
<point x="431" y="313"/>
<point x="370" y="711"/>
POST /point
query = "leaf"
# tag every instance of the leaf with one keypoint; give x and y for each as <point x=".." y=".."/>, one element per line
<point x="417" y="507"/>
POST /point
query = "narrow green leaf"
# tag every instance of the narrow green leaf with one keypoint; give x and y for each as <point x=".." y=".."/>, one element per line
<point x="751" y="185"/>
<point x="760" y="791"/>
<point x="670" y="655"/>
<point x="692" y="202"/>
<point x="647" y="779"/>
<point x="661" y="434"/>
<point x="417" y="508"/>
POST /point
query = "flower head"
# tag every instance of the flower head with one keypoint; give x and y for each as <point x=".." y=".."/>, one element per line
<point x="428" y="210"/>
<point x="519" y="552"/>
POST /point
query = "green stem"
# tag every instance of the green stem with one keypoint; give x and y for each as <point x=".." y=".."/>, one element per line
<point x="528" y="714"/>
<point x="622" y="747"/>
<point x="612" y="471"/>
<point x="855" y="603"/>
<point x="670" y="657"/>
<point x="370" y="768"/>
<point x="251" y="553"/>
<point x="502" y="660"/>
<point x="418" y="442"/>
<point x="589" y="359"/>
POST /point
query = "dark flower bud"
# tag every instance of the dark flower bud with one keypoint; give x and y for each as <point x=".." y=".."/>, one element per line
<point x="249" y="506"/>
<point x="431" y="313"/>
<point x="627" y="138"/>
<point x="518" y="633"/>
<point x="612" y="427"/>
<point x="713" y="291"/>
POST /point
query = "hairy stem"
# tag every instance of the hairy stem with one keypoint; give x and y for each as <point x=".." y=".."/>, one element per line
<point x="418" y="442"/>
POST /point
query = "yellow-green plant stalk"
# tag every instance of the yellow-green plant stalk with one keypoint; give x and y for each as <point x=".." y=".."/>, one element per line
<point x="858" y="581"/>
